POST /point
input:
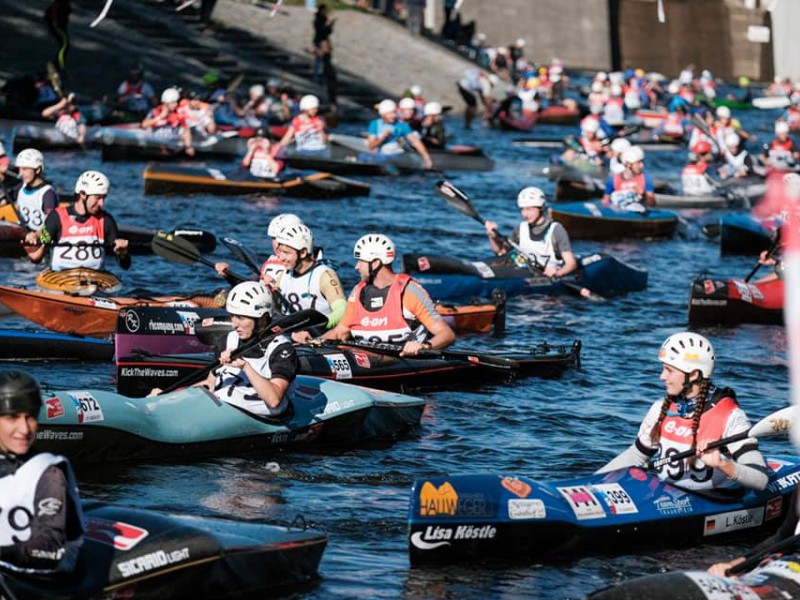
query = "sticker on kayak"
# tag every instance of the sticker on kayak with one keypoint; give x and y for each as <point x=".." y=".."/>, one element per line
<point x="217" y="174"/>
<point x="101" y="303"/>
<point x="340" y="367"/>
<point x="517" y="487"/>
<point x="714" y="587"/>
<point x="733" y="521"/>
<point x="583" y="502"/>
<point x="783" y="568"/>
<point x="54" y="408"/>
<point x="774" y="508"/>
<point x="423" y="264"/>
<point x="122" y="536"/>
<point x="484" y="270"/>
<point x="744" y="291"/>
<point x="616" y="498"/>
<point x="435" y="501"/>
<point x="188" y="319"/>
<point x="362" y="360"/>
<point x="593" y="209"/>
<point x="88" y="407"/>
<point x="526" y="508"/>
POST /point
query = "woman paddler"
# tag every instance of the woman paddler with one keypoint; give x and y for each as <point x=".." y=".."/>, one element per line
<point x="693" y="413"/>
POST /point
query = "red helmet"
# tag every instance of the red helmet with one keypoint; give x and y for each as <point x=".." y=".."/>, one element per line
<point x="701" y="147"/>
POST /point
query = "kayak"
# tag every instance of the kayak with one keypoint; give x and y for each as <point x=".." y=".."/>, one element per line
<point x="776" y="578"/>
<point x="44" y="137"/>
<point x="465" y="518"/>
<point x="732" y="104"/>
<point x="652" y="119"/>
<point x="772" y="102"/>
<point x="593" y="221"/>
<point x="648" y="143"/>
<point x="94" y="316"/>
<point x="447" y="277"/>
<point x="373" y="365"/>
<point x="80" y="281"/>
<point x="347" y="154"/>
<point x="525" y="121"/>
<point x="101" y="426"/>
<point x="683" y="201"/>
<point x="136" y="553"/>
<point x="184" y="179"/>
<point x="30" y="344"/>
<point x="743" y="234"/>
<point x="11" y="237"/>
<point x="735" y="301"/>
<point x="572" y="186"/>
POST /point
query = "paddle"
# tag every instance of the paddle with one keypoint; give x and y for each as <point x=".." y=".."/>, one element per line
<point x="6" y="593"/>
<point x="773" y="247"/>
<point x="773" y="424"/>
<point x="755" y="560"/>
<point x="243" y="254"/>
<point x="304" y="319"/>
<point x="181" y="251"/>
<point x="460" y="201"/>
<point x="485" y="360"/>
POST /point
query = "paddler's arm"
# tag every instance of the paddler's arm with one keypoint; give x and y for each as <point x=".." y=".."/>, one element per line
<point x="634" y="456"/>
<point x="415" y="141"/>
<point x="331" y="289"/>
<point x="745" y="465"/>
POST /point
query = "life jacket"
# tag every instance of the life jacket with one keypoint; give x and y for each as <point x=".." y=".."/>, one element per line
<point x="261" y="166"/>
<point x="614" y="112"/>
<point x="673" y="125"/>
<point x="67" y="123"/>
<point x="780" y="150"/>
<point x="543" y="251"/>
<point x="309" y="133"/>
<point x="80" y="244"/>
<point x="167" y="119"/>
<point x="18" y="483"/>
<point x="694" y="180"/>
<point x="387" y="324"/>
<point x="30" y="206"/>
<point x="299" y="292"/>
<point x="194" y="117"/>
<point x="591" y="147"/>
<point x="635" y="184"/>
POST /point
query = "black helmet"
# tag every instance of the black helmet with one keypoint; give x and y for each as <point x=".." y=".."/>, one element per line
<point x="19" y="393"/>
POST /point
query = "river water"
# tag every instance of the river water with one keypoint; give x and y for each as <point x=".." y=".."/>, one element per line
<point x="541" y="429"/>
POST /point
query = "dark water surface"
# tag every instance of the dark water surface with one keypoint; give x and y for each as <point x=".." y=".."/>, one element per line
<point x="540" y="429"/>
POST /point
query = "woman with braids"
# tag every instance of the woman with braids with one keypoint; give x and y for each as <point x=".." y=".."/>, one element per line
<point x="693" y="413"/>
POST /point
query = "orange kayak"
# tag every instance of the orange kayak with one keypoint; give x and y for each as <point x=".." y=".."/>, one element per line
<point x="92" y="316"/>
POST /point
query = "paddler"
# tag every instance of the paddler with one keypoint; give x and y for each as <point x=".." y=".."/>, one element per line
<point x="631" y="187"/>
<point x="41" y="524"/>
<point x="386" y="134"/>
<point x="165" y="120"/>
<point x="543" y="241"/>
<point x="260" y="158"/>
<point x="388" y="306"/>
<point x="35" y="198"/>
<point x="307" y="282"/>
<point x="693" y="413"/>
<point x="258" y="380"/>
<point x="433" y="132"/>
<point x="80" y="234"/>
<point x="782" y="152"/>
<point x="698" y="176"/>
<point x="68" y="118"/>
<point x="308" y="129"/>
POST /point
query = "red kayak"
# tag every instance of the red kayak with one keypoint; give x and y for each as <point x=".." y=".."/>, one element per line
<point x="551" y="115"/>
<point x="735" y="301"/>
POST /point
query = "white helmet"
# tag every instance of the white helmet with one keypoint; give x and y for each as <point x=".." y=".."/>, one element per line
<point x="632" y="155"/>
<point x="531" y="196"/>
<point x="620" y="145"/>
<point x="688" y="352"/>
<point x="415" y="90"/>
<point x="281" y="221"/>
<point x="723" y="112"/>
<point x="372" y="246"/>
<point x="732" y="139"/>
<point x="601" y="76"/>
<point x="616" y="90"/>
<point x="92" y="183"/>
<point x="297" y="236"/>
<point x="781" y="127"/>
<point x="590" y="126"/>
<point x="386" y="107"/>
<point x="432" y="109"/>
<point x="674" y="87"/>
<point x="407" y="103"/>
<point x="597" y="87"/>
<point x="170" y="95"/>
<point x="309" y="102"/>
<point x="249" y="299"/>
<point x="30" y="158"/>
<point x="256" y="90"/>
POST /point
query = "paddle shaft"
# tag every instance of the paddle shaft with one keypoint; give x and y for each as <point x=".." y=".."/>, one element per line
<point x="753" y="561"/>
<point x="300" y="320"/>
<point x="657" y="464"/>
<point x="494" y="362"/>
<point x="6" y="593"/>
<point x="773" y="247"/>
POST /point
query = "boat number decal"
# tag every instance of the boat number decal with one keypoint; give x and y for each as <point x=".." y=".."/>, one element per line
<point x="526" y="508"/>
<point x="102" y="303"/>
<point x="122" y="536"/>
<point x="435" y="501"/>
<point x="593" y="209"/>
<point x="483" y="269"/>
<point x="340" y="366"/>
<point x="774" y="508"/>
<point x="216" y="174"/>
<point x="733" y="520"/>
<point x="88" y="407"/>
<point x="515" y="486"/>
<point x="54" y="408"/>
<point x="583" y="502"/>
<point x="716" y="588"/>
<point x="616" y="498"/>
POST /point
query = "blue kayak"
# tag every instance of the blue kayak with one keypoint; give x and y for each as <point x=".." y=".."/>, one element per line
<point x="739" y="233"/>
<point x="481" y="517"/>
<point x="98" y="425"/>
<point x="449" y="278"/>
<point x="32" y="344"/>
<point x="591" y="220"/>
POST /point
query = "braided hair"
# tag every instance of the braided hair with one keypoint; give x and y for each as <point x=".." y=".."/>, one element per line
<point x="699" y="406"/>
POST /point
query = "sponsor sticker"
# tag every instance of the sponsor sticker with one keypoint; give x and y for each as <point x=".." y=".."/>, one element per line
<point x="339" y="365"/>
<point x="673" y="505"/>
<point x="88" y="407"/>
<point x="773" y="509"/>
<point x="583" y="502"/>
<point x="616" y="498"/>
<point x="593" y="209"/>
<point x="776" y="464"/>
<point x="188" y="320"/>
<point x="708" y="287"/>
<point x="526" y="508"/>
<point x="719" y="588"/>
<point x="423" y="264"/>
<point x="744" y="291"/>
<point x="362" y="360"/>
<point x="484" y="270"/>
<point x="152" y="561"/>
<point x="54" y="408"/>
<point x="435" y="501"/>
<point x="516" y="487"/>
<point x="122" y="536"/>
<point x="785" y="569"/>
<point x="787" y="481"/>
<point x="733" y="520"/>
<point x="103" y="303"/>
<point x="132" y="321"/>
<point x="435" y="536"/>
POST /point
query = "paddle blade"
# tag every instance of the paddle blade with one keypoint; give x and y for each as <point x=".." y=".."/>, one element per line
<point x="457" y="199"/>
<point x="175" y="249"/>
<point x="204" y="241"/>
<point x="243" y="254"/>
<point x="776" y="423"/>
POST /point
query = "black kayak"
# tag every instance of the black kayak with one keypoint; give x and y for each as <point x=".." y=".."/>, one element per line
<point x="135" y="553"/>
<point x="187" y="179"/>
<point x="32" y="344"/>
<point x="122" y="144"/>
